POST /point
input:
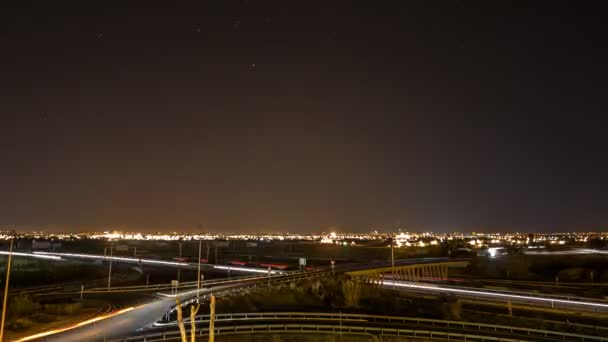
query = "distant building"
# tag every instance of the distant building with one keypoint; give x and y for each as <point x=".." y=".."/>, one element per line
<point x="41" y="244"/>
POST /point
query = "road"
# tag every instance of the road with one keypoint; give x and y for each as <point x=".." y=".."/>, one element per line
<point x="575" y="303"/>
<point x="31" y="255"/>
<point x="130" y="321"/>
<point x="576" y="251"/>
<point x="133" y="319"/>
<point x="154" y="262"/>
<point x="125" y="323"/>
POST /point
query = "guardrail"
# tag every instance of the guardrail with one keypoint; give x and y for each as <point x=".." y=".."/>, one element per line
<point x="320" y="328"/>
<point x="379" y="319"/>
<point x="168" y="286"/>
<point x="274" y="278"/>
<point x="190" y="297"/>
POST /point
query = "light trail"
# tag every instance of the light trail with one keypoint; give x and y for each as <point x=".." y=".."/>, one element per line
<point x="245" y="269"/>
<point x="493" y="294"/>
<point x="105" y="257"/>
<point x="149" y="261"/>
<point x="77" y="325"/>
<point x="567" y="252"/>
<point x="32" y="255"/>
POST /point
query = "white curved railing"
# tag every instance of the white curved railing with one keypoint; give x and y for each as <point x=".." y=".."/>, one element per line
<point x="348" y="321"/>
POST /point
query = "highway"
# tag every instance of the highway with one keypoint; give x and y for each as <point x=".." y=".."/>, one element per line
<point x="576" y="303"/>
<point x="131" y="320"/>
<point x="576" y="251"/>
<point x="123" y="324"/>
<point x="128" y="322"/>
<point x="31" y="255"/>
<point x="153" y="262"/>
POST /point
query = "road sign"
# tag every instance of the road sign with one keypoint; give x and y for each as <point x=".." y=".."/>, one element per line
<point x="122" y="248"/>
<point x="302" y="261"/>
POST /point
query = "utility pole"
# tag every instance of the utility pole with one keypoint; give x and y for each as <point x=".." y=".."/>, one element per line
<point x="393" y="259"/>
<point x="269" y="273"/>
<point x="212" y="319"/>
<point x="8" y="277"/>
<point x="198" y="275"/>
<point x="110" y="268"/>
<point x="207" y="245"/>
<point x="179" y="260"/>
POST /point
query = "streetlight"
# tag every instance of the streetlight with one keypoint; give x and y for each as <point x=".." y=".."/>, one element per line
<point x="198" y="275"/>
<point x="179" y="259"/>
<point x="110" y="268"/>
<point x="8" y="275"/>
<point x="393" y="259"/>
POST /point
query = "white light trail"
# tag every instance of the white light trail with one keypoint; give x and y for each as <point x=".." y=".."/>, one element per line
<point x="245" y="269"/>
<point x="493" y="294"/>
<point x="567" y="252"/>
<point x="102" y="257"/>
<point x="148" y="261"/>
<point x="48" y="257"/>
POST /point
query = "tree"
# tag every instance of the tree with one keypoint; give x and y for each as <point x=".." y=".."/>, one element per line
<point x="352" y="292"/>
<point x="596" y="243"/>
<point x="180" y="320"/>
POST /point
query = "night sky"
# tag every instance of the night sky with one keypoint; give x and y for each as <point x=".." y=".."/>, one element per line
<point x="303" y="116"/>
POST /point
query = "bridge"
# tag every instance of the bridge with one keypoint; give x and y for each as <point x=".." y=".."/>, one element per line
<point x="415" y="272"/>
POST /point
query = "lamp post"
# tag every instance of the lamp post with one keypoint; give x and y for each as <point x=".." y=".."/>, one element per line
<point x="110" y="268"/>
<point x="180" y="260"/>
<point x="393" y="259"/>
<point x="8" y="275"/>
<point x="198" y="275"/>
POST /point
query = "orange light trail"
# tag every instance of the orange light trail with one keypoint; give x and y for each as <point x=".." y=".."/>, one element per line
<point x="77" y="325"/>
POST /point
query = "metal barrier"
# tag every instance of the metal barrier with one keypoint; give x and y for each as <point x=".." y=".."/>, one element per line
<point x="378" y="319"/>
<point x="325" y="329"/>
<point x="287" y="276"/>
<point x="190" y="297"/>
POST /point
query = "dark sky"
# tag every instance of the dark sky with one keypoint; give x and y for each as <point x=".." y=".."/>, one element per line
<point x="303" y="116"/>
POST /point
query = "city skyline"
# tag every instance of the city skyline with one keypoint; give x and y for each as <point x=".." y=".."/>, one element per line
<point x="249" y="116"/>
